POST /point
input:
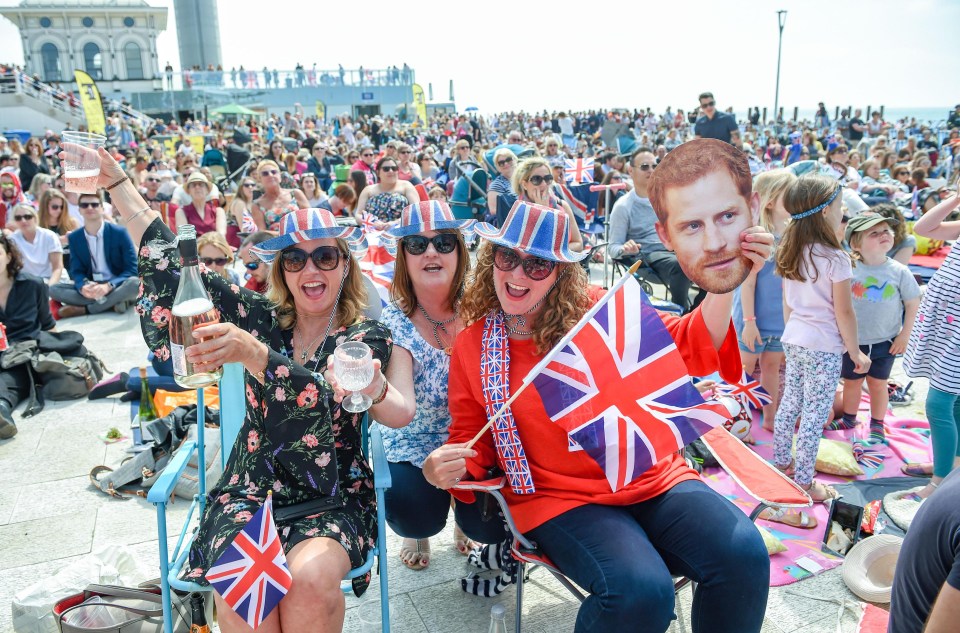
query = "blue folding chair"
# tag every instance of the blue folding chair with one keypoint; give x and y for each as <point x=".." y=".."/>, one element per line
<point x="232" y="413"/>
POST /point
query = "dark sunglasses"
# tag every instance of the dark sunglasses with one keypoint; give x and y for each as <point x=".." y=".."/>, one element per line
<point x="272" y="172"/>
<point x="404" y="151"/>
<point x="293" y="260"/>
<point x="708" y="104"/>
<point x="89" y="205"/>
<point x="366" y="155"/>
<point x="647" y="166"/>
<point x="504" y="161"/>
<point x="153" y="180"/>
<point x="21" y="218"/>
<point x="249" y="184"/>
<point x="210" y="261"/>
<point x="535" y="268"/>
<point x="251" y="265"/>
<point x="389" y="168"/>
<point x="417" y="244"/>
<point x="55" y="207"/>
<point x="538" y="180"/>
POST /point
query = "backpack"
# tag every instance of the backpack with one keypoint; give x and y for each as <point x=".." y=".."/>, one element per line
<point x="68" y="377"/>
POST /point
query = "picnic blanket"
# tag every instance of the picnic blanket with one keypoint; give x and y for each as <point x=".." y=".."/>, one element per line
<point x="908" y="443"/>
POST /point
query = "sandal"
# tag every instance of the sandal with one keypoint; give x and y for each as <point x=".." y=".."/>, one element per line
<point x="461" y="542"/>
<point x="920" y="469"/>
<point x="787" y="470"/>
<point x="820" y="492"/>
<point x="415" y="553"/>
<point x="793" y="518"/>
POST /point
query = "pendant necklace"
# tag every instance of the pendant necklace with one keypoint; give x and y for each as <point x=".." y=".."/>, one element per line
<point x="440" y="325"/>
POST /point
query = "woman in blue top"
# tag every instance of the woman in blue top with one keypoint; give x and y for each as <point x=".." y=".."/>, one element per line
<point x="758" y="306"/>
<point x="432" y="264"/>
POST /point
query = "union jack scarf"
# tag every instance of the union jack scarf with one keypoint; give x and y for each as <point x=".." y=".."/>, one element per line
<point x="495" y="379"/>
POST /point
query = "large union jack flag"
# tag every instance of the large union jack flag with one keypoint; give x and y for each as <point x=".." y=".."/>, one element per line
<point x="379" y="263"/>
<point x="748" y="392"/>
<point x="252" y="574"/>
<point x="578" y="170"/>
<point x="620" y="388"/>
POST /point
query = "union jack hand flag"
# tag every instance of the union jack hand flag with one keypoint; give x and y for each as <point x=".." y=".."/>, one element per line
<point x="578" y="170"/>
<point x="748" y="392"/>
<point x="252" y="574"/>
<point x="367" y="220"/>
<point x="379" y="263"/>
<point x="619" y="387"/>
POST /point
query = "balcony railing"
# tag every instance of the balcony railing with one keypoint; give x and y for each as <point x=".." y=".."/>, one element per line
<point x="17" y="82"/>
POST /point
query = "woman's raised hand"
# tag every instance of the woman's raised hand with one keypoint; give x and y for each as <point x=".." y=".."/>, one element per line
<point x="110" y="169"/>
<point x="222" y="343"/>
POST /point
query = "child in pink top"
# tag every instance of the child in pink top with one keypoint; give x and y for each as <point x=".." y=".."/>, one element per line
<point x="820" y="324"/>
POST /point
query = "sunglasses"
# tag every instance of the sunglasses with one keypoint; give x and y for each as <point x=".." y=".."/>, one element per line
<point x="647" y="166"/>
<point x="366" y="155"/>
<point x="210" y="261"/>
<point x="417" y="244"/>
<point x="153" y="180"/>
<point x="536" y="268"/>
<point x="538" y="180"/>
<point x="55" y="207"/>
<point x="505" y="161"/>
<point x="272" y="172"/>
<point x="250" y="184"/>
<point x="252" y="265"/>
<point x="23" y="218"/>
<point x="708" y="104"/>
<point x="293" y="260"/>
<point x="89" y="205"/>
<point x="389" y="168"/>
<point x="6" y="185"/>
<point x="404" y="151"/>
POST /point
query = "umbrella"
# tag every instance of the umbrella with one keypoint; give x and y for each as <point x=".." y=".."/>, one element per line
<point x="472" y="109"/>
<point x="233" y="108"/>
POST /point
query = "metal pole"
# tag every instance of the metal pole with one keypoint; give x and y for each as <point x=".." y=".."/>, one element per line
<point x="781" y="21"/>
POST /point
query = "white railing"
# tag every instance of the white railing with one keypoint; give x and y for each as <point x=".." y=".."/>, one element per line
<point x="16" y="82"/>
<point x="251" y="79"/>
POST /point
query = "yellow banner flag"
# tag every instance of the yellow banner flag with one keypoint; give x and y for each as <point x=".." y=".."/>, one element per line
<point x="91" y="101"/>
<point x="420" y="104"/>
<point x="321" y="111"/>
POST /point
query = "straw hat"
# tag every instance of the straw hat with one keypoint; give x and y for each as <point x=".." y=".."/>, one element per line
<point x="869" y="566"/>
<point x="197" y="177"/>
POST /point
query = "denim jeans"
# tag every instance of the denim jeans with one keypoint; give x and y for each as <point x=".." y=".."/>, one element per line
<point x="415" y="509"/>
<point x="625" y="555"/>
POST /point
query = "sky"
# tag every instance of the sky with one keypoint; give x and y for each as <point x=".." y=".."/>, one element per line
<point x="521" y="54"/>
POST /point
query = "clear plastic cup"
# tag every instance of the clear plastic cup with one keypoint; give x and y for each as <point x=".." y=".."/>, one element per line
<point x="81" y="169"/>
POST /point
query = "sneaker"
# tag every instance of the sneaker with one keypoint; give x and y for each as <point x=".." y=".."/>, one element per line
<point x="7" y="428"/>
<point x="899" y="395"/>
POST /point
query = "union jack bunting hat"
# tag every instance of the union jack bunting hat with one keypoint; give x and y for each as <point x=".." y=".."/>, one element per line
<point x="309" y="224"/>
<point x="429" y="215"/>
<point x="535" y="230"/>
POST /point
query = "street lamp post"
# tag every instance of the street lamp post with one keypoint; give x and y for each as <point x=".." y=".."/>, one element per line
<point x="781" y="21"/>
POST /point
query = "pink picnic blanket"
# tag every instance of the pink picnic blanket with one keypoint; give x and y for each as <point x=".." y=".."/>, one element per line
<point x="908" y="442"/>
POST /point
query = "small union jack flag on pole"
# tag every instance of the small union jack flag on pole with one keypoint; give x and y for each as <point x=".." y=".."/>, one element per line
<point x="578" y="170"/>
<point x="619" y="387"/>
<point x="252" y="574"/>
<point x="748" y="392"/>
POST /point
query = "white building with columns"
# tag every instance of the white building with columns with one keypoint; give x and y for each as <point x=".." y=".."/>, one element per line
<point x="115" y="41"/>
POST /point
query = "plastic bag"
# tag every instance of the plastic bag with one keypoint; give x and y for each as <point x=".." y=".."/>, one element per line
<point x="112" y="565"/>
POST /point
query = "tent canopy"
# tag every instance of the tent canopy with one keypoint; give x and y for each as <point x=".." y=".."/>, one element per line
<point x="233" y="108"/>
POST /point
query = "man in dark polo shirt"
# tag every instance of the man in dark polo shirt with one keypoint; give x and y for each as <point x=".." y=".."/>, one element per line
<point x="713" y="123"/>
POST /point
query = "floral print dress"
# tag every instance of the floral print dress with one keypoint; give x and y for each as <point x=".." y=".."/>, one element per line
<point x="295" y="440"/>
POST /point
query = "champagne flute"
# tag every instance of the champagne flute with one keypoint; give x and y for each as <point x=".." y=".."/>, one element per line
<point x="353" y="369"/>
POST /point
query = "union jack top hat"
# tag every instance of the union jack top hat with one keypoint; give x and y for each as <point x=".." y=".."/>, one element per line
<point x="429" y="215"/>
<point x="308" y="224"/>
<point x="535" y="230"/>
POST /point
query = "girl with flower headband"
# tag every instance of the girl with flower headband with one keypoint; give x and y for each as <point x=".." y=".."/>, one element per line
<point x="820" y="324"/>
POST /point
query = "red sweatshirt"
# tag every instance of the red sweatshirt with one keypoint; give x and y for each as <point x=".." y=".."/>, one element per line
<point x="566" y="480"/>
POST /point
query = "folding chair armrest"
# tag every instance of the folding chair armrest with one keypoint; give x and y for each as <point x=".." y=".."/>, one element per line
<point x="163" y="487"/>
<point x="381" y="469"/>
<point x="487" y="485"/>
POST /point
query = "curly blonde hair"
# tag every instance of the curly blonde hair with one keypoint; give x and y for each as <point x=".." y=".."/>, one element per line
<point x="352" y="299"/>
<point x="563" y="307"/>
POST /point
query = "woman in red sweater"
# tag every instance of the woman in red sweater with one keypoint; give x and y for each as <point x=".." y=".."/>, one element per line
<point x="622" y="546"/>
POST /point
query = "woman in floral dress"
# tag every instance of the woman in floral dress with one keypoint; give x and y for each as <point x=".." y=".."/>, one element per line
<point x="295" y="440"/>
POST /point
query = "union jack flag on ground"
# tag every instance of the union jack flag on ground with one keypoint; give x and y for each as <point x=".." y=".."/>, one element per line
<point x="619" y="387"/>
<point x="748" y="392"/>
<point x="252" y="574"/>
<point x="578" y="170"/>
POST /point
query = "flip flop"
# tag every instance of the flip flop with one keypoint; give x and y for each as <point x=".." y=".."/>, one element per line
<point x="793" y="518"/>
<point x="919" y="469"/>
<point x="416" y="557"/>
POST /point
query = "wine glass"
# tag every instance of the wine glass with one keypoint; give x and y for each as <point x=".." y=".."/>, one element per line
<point x="353" y="369"/>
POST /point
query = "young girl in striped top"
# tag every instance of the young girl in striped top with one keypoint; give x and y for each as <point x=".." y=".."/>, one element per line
<point x="934" y="345"/>
<point x="820" y="324"/>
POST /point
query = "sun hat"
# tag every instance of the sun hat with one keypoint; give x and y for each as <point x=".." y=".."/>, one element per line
<point x="536" y="230"/>
<point x="866" y="221"/>
<point x="868" y="568"/>
<point x="309" y="224"/>
<point x="430" y="215"/>
<point x="197" y="177"/>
